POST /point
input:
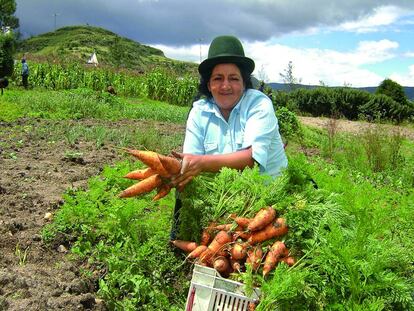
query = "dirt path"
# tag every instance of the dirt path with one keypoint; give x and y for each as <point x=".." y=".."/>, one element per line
<point x="353" y="126"/>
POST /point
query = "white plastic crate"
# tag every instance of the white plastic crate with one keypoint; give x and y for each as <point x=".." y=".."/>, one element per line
<point x="211" y="292"/>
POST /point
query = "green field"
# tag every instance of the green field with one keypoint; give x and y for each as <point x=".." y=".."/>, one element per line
<point x="352" y="235"/>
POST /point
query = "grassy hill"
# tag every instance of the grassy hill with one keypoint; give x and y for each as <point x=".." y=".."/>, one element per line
<point x="77" y="43"/>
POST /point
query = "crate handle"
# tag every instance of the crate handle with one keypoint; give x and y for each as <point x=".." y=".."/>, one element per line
<point x="191" y="299"/>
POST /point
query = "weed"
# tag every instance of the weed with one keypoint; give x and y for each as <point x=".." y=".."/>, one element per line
<point x="382" y="149"/>
<point x="21" y="254"/>
<point x="332" y="130"/>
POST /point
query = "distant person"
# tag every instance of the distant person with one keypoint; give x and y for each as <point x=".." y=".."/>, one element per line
<point x="269" y="94"/>
<point x="25" y="73"/>
<point x="3" y="84"/>
<point x="262" y="87"/>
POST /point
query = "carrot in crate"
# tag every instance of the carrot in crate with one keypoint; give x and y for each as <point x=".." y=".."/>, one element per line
<point x="222" y="264"/>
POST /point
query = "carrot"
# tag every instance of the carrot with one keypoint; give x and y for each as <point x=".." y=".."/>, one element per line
<point x="289" y="260"/>
<point x="186" y="246"/>
<point x="221" y="264"/>
<point x="254" y="256"/>
<point x="163" y="190"/>
<point x="274" y="229"/>
<point x="241" y="234"/>
<point x="197" y="252"/>
<point x="235" y="264"/>
<point x="270" y="263"/>
<point x="144" y="186"/>
<point x="242" y="222"/>
<point x="151" y="159"/>
<point x="218" y="243"/>
<point x="227" y="227"/>
<point x="263" y="217"/>
<point x="276" y="251"/>
<point x="251" y="306"/>
<point x="238" y="251"/>
<point x="140" y="174"/>
<point x="172" y="165"/>
<point x="205" y="237"/>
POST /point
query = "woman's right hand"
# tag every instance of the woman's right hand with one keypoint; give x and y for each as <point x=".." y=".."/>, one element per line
<point x="191" y="166"/>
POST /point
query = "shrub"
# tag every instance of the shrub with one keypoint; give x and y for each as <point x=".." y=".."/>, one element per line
<point x="288" y="123"/>
<point x="383" y="107"/>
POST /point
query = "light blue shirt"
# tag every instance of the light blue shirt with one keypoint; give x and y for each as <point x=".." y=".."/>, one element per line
<point x="252" y="123"/>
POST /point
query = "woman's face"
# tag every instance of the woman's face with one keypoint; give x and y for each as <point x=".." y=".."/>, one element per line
<point x="227" y="86"/>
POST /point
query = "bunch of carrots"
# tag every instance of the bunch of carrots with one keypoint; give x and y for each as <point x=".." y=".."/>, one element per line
<point x="229" y="247"/>
<point x="157" y="175"/>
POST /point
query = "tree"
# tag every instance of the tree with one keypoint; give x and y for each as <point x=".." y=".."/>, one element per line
<point x="7" y="40"/>
<point x="392" y="89"/>
<point x="7" y="45"/>
<point x="289" y="78"/>
<point x="7" y="18"/>
<point x="262" y="74"/>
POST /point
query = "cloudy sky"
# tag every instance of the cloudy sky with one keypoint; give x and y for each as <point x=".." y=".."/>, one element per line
<point x="334" y="42"/>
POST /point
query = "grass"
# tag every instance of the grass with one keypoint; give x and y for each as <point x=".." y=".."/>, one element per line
<point x="353" y="235"/>
<point x="85" y="104"/>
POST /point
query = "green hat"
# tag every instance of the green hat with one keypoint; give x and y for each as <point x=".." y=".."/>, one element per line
<point x="226" y="49"/>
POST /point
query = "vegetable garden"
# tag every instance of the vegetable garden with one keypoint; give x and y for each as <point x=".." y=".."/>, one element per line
<point x="347" y="199"/>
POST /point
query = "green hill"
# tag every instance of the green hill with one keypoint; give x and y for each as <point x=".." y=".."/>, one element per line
<point x="77" y="43"/>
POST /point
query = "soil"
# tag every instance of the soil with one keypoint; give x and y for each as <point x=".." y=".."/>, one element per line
<point x="35" y="172"/>
<point x="354" y="127"/>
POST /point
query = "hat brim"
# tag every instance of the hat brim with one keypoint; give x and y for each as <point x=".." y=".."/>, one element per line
<point x="208" y="64"/>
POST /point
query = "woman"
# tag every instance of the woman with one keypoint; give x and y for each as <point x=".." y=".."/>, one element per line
<point x="25" y="73"/>
<point x="234" y="125"/>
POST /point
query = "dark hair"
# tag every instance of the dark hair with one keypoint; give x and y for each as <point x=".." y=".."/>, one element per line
<point x="205" y="78"/>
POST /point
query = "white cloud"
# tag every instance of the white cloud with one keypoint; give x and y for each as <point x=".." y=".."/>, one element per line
<point x="334" y="68"/>
<point x="405" y="80"/>
<point x="380" y="16"/>
<point x="409" y="54"/>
